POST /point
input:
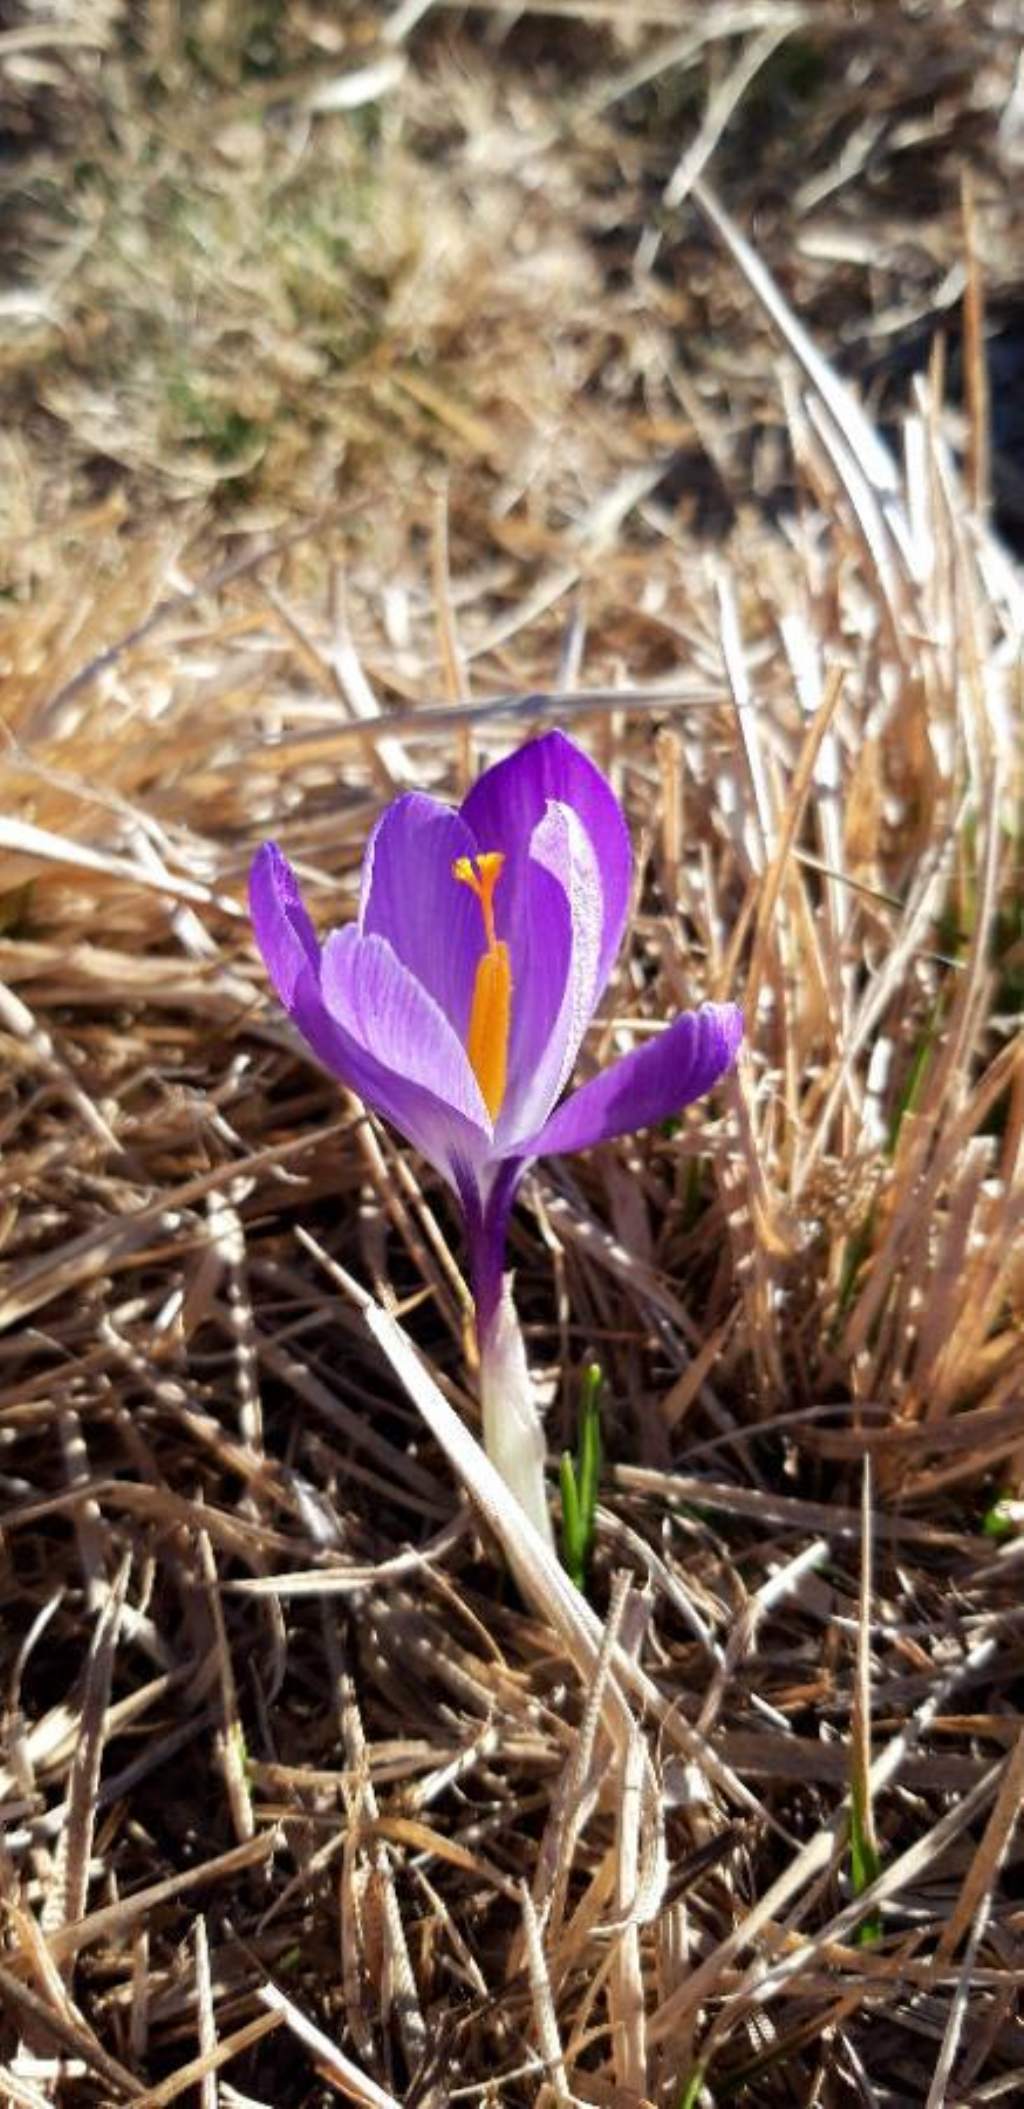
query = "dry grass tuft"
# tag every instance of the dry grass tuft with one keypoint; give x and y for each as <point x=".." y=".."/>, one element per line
<point x="379" y="389"/>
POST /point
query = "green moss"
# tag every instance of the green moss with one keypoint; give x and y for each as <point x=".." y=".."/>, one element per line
<point x="225" y="430"/>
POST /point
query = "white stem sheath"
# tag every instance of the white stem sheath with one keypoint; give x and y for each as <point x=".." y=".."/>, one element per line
<point x="513" y="1431"/>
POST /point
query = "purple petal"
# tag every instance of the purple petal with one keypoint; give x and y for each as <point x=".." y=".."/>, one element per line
<point x="411" y="897"/>
<point x="281" y="925"/>
<point x="555" y="933"/>
<point x="381" y="1008"/>
<point x="649" y="1085"/>
<point x="510" y="799"/>
<point x="369" y="1022"/>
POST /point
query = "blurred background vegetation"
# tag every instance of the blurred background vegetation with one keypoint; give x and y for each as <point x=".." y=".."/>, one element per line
<point x="270" y="255"/>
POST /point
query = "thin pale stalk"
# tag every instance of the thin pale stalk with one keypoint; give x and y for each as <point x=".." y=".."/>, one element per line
<point x="513" y="1432"/>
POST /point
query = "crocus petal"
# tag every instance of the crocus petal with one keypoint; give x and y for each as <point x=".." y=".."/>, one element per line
<point x="411" y="897"/>
<point x="555" y="931"/>
<point x="508" y="802"/>
<point x="440" y="1134"/>
<point x="282" y="927"/>
<point x="383" y="1010"/>
<point x="648" y="1085"/>
<point x="368" y="1021"/>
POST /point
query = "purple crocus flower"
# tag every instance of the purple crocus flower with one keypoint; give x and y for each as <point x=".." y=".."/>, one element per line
<point x="456" y="1003"/>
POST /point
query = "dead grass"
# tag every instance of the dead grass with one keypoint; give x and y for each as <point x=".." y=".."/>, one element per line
<point x="304" y="1797"/>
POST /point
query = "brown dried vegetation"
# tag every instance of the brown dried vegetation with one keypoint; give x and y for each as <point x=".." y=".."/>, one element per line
<point x="382" y="384"/>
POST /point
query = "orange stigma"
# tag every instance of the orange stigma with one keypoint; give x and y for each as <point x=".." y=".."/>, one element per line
<point x="487" y="1039"/>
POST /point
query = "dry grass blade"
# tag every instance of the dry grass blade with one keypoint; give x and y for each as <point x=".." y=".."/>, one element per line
<point x="207" y="2017"/>
<point x="65" y="1904"/>
<point x="543" y="2002"/>
<point x="230" y="1741"/>
<point x="864" y="1859"/>
<point x="32" y="848"/>
<point x="992" y="1850"/>
<point x="858" y="432"/>
<point x="39" y="2016"/>
<point x="353" y="2084"/>
<point x="112" y="1919"/>
<point x="202" y="2071"/>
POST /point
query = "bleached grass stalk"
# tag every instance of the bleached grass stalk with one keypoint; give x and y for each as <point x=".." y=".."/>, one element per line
<point x="543" y="1581"/>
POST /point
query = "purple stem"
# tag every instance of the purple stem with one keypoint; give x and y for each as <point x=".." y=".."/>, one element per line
<point x="486" y="1234"/>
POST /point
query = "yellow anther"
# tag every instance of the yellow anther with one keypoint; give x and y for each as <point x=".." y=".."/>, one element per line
<point x="490" y="1016"/>
<point x="489" y="1019"/>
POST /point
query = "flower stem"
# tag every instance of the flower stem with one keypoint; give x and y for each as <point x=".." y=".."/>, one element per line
<point x="513" y="1431"/>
